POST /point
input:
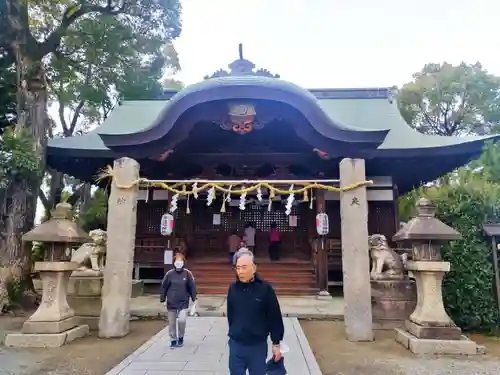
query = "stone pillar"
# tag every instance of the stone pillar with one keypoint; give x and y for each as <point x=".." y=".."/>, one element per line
<point x="122" y="218"/>
<point x="355" y="256"/>
<point x="430" y="330"/>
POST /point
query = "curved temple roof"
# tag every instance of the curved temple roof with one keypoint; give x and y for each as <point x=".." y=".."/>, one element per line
<point x="248" y="88"/>
<point x="362" y="114"/>
<point x="351" y="122"/>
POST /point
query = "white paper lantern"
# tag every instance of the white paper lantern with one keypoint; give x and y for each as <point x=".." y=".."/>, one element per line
<point x="322" y="224"/>
<point x="167" y="225"/>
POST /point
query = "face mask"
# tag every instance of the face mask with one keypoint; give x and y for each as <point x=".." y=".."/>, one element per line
<point x="178" y="264"/>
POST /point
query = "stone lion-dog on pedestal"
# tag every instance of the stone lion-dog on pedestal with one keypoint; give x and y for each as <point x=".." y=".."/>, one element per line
<point x="386" y="263"/>
<point x="91" y="256"/>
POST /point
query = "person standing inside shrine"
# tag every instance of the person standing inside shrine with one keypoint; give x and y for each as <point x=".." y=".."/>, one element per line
<point x="250" y="233"/>
<point x="253" y="314"/>
<point x="233" y="243"/>
<point x="274" y="242"/>
<point x="177" y="286"/>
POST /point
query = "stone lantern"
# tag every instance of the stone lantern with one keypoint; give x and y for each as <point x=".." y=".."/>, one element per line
<point x="54" y="323"/>
<point x="430" y="330"/>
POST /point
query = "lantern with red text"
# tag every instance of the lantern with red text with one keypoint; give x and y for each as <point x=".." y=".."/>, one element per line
<point x="167" y="225"/>
<point x="322" y="225"/>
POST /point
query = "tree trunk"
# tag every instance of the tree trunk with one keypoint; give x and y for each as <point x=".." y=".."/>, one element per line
<point x="21" y="199"/>
<point x="85" y="197"/>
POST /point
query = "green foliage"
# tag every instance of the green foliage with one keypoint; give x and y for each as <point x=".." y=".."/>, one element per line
<point x="17" y="158"/>
<point x="488" y="165"/>
<point x="95" y="216"/>
<point x="469" y="293"/>
<point x="15" y="290"/>
<point x="469" y="199"/>
<point x="103" y="58"/>
<point x="450" y="99"/>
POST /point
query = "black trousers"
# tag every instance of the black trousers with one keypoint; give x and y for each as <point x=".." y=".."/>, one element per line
<point x="274" y="250"/>
<point x="247" y="357"/>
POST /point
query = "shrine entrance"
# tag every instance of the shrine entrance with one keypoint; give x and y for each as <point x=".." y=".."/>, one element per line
<point x="204" y="230"/>
<point x="201" y="232"/>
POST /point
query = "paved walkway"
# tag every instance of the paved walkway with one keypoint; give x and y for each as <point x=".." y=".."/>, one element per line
<point x="305" y="307"/>
<point x="205" y="352"/>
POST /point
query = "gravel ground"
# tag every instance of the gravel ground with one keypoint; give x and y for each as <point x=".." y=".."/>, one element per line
<point x="87" y="356"/>
<point x="337" y="356"/>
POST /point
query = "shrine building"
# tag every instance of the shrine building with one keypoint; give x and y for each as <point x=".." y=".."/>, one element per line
<point x="246" y="124"/>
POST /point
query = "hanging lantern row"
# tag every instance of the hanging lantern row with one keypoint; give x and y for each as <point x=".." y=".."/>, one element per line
<point x="322" y="224"/>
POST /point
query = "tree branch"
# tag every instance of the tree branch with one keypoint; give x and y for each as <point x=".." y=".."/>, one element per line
<point x="70" y="16"/>
<point x="80" y="105"/>
<point x="16" y="31"/>
<point x="44" y="200"/>
<point x="75" y="196"/>
<point x="62" y="119"/>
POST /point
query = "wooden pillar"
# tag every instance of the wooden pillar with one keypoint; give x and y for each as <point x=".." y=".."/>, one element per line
<point x="122" y="219"/>
<point x="322" y="254"/>
<point x="355" y="256"/>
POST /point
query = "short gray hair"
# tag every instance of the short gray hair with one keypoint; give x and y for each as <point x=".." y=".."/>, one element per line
<point x="240" y="253"/>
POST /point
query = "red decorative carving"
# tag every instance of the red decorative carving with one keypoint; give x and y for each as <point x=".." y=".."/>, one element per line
<point x="164" y="156"/>
<point x="323" y="155"/>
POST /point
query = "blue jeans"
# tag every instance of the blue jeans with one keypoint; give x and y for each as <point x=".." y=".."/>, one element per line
<point x="247" y="357"/>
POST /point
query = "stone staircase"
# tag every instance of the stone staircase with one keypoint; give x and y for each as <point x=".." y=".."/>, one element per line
<point x="289" y="277"/>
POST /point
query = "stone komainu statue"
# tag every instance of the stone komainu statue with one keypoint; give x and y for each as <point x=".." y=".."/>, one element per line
<point x="386" y="263"/>
<point x="91" y="256"/>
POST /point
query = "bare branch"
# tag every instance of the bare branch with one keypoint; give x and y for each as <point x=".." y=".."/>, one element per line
<point x="15" y="30"/>
<point x="62" y="119"/>
<point x="45" y="201"/>
<point x="73" y="198"/>
<point x="81" y="104"/>
<point x="70" y="16"/>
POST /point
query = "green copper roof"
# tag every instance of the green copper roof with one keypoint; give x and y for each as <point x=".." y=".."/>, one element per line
<point x="374" y="114"/>
<point x="359" y="114"/>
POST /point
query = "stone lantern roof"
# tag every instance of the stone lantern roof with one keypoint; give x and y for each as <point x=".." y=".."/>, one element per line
<point x="60" y="228"/>
<point x="425" y="226"/>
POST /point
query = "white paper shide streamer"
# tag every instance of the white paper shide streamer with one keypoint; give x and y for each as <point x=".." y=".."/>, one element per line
<point x="195" y="191"/>
<point x="243" y="198"/>
<point x="210" y="196"/>
<point x="289" y="202"/>
<point x="173" y="203"/>
<point x="259" y="194"/>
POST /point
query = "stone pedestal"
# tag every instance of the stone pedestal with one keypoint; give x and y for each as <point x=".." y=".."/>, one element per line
<point x="355" y="255"/>
<point x="393" y="301"/>
<point x="137" y="288"/>
<point x="429" y="329"/>
<point x="430" y="320"/>
<point x="122" y="219"/>
<point x="85" y="297"/>
<point x="54" y="323"/>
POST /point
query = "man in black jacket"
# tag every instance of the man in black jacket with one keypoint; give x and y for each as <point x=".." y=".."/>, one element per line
<point x="253" y="314"/>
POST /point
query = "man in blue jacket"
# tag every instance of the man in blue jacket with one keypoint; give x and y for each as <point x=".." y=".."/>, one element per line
<point x="253" y="314"/>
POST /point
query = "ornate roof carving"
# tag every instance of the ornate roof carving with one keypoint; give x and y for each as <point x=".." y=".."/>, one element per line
<point x="242" y="67"/>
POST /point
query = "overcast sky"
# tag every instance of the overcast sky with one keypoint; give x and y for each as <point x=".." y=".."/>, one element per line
<point x="338" y="43"/>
